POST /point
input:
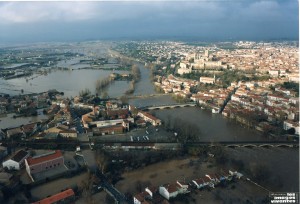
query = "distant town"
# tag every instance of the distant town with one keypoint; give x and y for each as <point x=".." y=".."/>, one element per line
<point x="135" y="122"/>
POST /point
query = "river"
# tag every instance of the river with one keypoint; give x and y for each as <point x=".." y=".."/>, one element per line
<point x="144" y="86"/>
<point x="213" y="127"/>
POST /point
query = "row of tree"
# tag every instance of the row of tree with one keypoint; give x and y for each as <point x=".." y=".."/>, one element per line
<point x="184" y="131"/>
<point x="136" y="76"/>
<point x="103" y="83"/>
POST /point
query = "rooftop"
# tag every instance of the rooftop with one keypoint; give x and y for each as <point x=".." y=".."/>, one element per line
<point x="19" y="156"/>
<point x="44" y="157"/>
<point x="57" y="197"/>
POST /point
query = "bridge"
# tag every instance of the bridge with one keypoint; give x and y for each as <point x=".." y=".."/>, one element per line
<point x="171" y="145"/>
<point x="176" y="145"/>
<point x="168" y="106"/>
<point x="249" y="144"/>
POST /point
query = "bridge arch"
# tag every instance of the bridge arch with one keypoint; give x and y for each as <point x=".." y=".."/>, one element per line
<point x="284" y="145"/>
<point x="266" y="145"/>
<point x="249" y="145"/>
<point x="233" y="146"/>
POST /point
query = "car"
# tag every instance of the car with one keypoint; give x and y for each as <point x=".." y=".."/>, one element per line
<point x="131" y="138"/>
<point x="138" y="138"/>
<point x="147" y="137"/>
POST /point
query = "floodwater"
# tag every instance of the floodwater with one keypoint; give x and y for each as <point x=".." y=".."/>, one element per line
<point x="7" y="120"/>
<point x="70" y="82"/>
<point x="212" y="127"/>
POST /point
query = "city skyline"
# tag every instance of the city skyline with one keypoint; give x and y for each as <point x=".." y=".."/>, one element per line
<point x="22" y="22"/>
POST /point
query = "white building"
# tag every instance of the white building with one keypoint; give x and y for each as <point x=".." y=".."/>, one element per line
<point x="172" y="190"/>
<point x="16" y="162"/>
<point x="288" y="124"/>
<point x="182" y="71"/>
<point x="149" y="118"/>
<point x="208" y="80"/>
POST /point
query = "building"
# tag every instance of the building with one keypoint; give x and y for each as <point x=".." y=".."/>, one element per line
<point x="183" y="70"/>
<point x="108" y="123"/>
<point x="142" y="198"/>
<point x="201" y="182"/>
<point x="151" y="196"/>
<point x="44" y="162"/>
<point x="15" y="133"/>
<point x="64" y="131"/>
<point x="67" y="196"/>
<point x="16" y="162"/>
<point x="149" y="118"/>
<point x="108" y="130"/>
<point x="169" y="191"/>
<point x="289" y="124"/>
<point x="208" y="80"/>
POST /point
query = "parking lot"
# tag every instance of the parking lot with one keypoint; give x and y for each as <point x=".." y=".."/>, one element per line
<point x="148" y="134"/>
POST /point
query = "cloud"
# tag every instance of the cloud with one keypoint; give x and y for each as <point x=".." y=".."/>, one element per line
<point x="140" y="18"/>
<point x="30" y="12"/>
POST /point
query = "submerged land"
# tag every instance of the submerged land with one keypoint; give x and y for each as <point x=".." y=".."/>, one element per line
<point x="149" y="121"/>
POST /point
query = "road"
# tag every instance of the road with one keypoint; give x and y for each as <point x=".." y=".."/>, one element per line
<point x="118" y="196"/>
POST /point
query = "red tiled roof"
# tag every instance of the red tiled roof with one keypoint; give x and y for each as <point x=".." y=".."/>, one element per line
<point x="141" y="196"/>
<point x="37" y="160"/>
<point x="172" y="187"/>
<point x="148" y="115"/>
<point x="57" y="197"/>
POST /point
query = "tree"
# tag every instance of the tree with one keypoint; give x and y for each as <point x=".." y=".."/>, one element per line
<point x="85" y="92"/>
<point x="102" y="160"/>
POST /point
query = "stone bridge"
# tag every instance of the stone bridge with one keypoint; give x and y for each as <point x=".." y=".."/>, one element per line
<point x="168" y="106"/>
<point x="250" y="144"/>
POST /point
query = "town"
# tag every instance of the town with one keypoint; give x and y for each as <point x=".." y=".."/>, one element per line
<point x="87" y="144"/>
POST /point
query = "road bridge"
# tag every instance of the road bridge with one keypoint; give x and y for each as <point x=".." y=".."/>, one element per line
<point x="231" y="144"/>
<point x="168" y="106"/>
<point x="249" y="144"/>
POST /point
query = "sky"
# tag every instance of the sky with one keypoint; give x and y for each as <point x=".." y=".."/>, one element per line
<point x="198" y="20"/>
